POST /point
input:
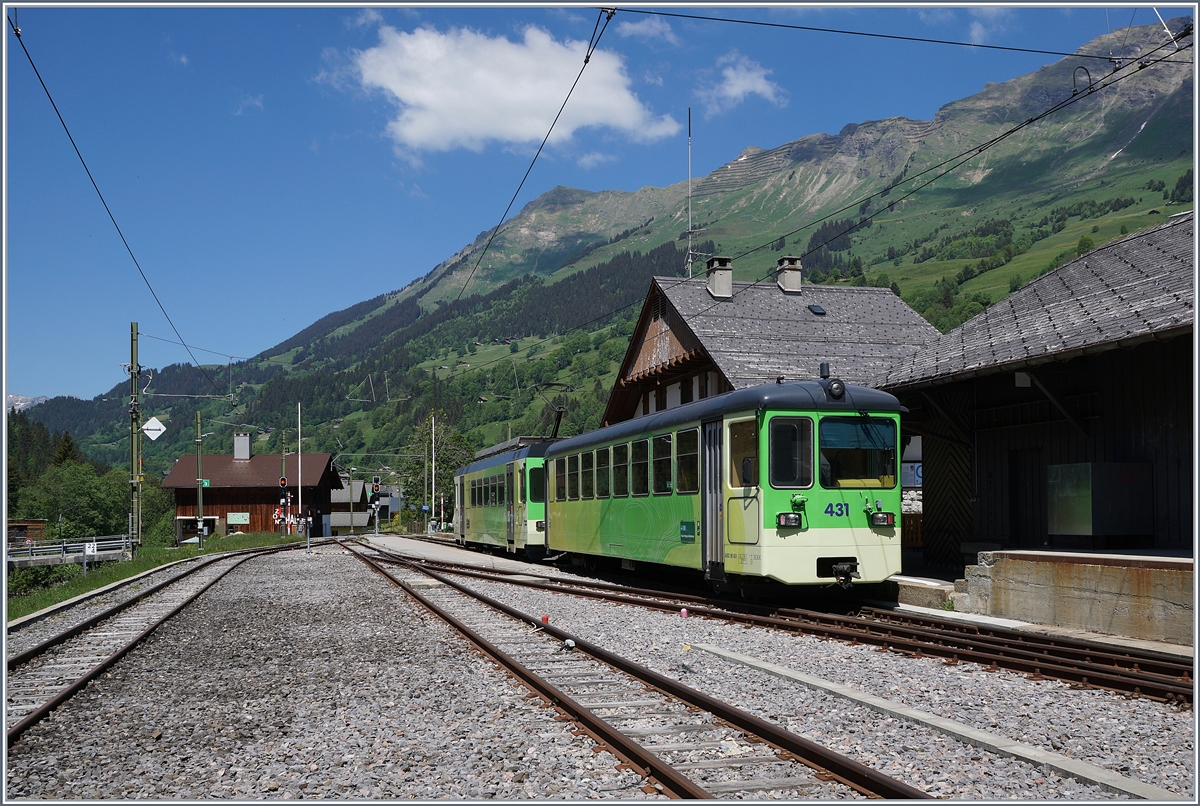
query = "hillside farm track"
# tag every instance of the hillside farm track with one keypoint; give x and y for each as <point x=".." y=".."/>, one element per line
<point x="1138" y="672"/>
<point x="41" y="677"/>
<point x="959" y="730"/>
<point x="693" y="746"/>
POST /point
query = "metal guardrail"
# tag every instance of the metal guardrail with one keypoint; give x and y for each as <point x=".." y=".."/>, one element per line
<point x="66" y="547"/>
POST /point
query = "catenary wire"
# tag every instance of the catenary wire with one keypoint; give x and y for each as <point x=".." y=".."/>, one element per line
<point x="868" y="34"/>
<point x="597" y="32"/>
<point x="957" y="160"/>
<point x="145" y="279"/>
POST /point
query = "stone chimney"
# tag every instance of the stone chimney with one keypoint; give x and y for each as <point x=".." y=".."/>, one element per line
<point x="241" y="447"/>
<point x="787" y="275"/>
<point x="720" y="277"/>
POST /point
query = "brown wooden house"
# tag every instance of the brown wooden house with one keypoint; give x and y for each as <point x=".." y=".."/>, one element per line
<point x="701" y="337"/>
<point x="1062" y="417"/>
<point x="244" y="491"/>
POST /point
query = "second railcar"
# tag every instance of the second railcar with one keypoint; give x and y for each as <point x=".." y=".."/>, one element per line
<point x="795" y="482"/>
<point x="503" y="495"/>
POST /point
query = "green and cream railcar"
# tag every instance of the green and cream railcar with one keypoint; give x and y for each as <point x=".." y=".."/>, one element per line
<point x="504" y="498"/>
<point x="796" y="482"/>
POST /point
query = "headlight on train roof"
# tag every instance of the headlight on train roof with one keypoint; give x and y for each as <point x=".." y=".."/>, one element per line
<point x="786" y="519"/>
<point x="883" y="519"/>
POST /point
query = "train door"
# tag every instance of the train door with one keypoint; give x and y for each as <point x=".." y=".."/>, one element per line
<point x="460" y="516"/>
<point x="509" y="504"/>
<point x="712" y="530"/>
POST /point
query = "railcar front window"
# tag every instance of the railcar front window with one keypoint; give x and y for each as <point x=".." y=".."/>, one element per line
<point x="641" y="467"/>
<point x="858" y="452"/>
<point x="537" y="485"/>
<point x="791" y="452"/>
<point x="620" y="486"/>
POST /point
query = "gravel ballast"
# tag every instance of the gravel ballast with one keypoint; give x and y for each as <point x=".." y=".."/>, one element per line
<point x="308" y="676"/>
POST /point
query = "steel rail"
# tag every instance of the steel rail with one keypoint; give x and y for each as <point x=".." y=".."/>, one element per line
<point x="27" y="655"/>
<point x="1147" y="660"/>
<point x="852" y="773"/>
<point x="44" y="710"/>
<point x="647" y="763"/>
<point x="904" y="639"/>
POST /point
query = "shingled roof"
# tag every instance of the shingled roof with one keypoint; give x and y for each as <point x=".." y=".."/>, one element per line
<point x="1136" y="289"/>
<point x="222" y="470"/>
<point x="761" y="333"/>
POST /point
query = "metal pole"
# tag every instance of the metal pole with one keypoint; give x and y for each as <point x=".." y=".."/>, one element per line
<point x="433" y="452"/>
<point x="199" y="489"/>
<point x="135" y="444"/>
<point x="300" y="482"/>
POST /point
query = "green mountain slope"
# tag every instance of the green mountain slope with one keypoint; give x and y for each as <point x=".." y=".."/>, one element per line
<point x="953" y="213"/>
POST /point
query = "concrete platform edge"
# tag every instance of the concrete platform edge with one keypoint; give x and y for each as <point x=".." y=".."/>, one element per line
<point x="1079" y="770"/>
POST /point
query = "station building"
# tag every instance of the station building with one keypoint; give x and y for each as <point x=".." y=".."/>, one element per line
<point x="1062" y="417"/>
<point x="244" y="491"/>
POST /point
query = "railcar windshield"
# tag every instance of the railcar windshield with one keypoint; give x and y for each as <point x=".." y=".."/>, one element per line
<point x="857" y="452"/>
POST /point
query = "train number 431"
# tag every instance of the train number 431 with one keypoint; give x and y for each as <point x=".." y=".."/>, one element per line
<point x="838" y="510"/>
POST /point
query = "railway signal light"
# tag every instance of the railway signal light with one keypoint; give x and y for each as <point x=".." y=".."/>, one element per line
<point x="282" y="482"/>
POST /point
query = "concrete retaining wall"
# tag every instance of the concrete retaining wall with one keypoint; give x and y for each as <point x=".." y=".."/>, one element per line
<point x="1139" y="597"/>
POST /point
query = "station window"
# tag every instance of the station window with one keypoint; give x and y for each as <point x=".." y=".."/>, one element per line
<point x="560" y="479"/>
<point x="743" y="453"/>
<point x="587" y="475"/>
<point x="620" y="459"/>
<point x="573" y="477"/>
<point x="602" y="485"/>
<point x="791" y="452"/>
<point x="662" y="464"/>
<point x="537" y="485"/>
<point x="641" y="467"/>
<point x="858" y="452"/>
<point x="687" y="461"/>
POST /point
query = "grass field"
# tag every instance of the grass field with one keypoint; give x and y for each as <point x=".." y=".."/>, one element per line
<point x="146" y="559"/>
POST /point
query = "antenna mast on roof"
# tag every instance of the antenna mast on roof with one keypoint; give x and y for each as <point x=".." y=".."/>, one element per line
<point x="691" y="255"/>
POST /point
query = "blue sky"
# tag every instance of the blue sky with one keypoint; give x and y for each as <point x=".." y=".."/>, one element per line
<point x="268" y="166"/>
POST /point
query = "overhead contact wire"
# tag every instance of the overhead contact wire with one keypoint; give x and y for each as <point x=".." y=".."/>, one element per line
<point x="597" y="32"/>
<point x="111" y="217"/>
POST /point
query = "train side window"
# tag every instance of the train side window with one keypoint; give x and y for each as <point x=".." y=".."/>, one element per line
<point x="791" y="452"/>
<point x="743" y="453"/>
<point x="602" y="485"/>
<point x="687" y="461"/>
<point x="493" y="496"/>
<point x="587" y="475"/>
<point x="662" y="464"/>
<point x="560" y="479"/>
<point x="620" y="486"/>
<point x="573" y="477"/>
<point x="537" y="485"/>
<point x="641" y="467"/>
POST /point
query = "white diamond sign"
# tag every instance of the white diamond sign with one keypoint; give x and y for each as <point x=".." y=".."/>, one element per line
<point x="153" y="428"/>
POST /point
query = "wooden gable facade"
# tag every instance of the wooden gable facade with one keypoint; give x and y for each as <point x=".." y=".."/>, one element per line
<point x="700" y="337"/>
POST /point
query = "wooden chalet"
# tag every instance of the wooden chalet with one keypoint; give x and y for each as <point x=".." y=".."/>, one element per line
<point x="1062" y="417"/>
<point x="244" y="491"/>
<point x="701" y="337"/>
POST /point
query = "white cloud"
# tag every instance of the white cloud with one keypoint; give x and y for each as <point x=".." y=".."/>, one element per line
<point x="648" y="29"/>
<point x="365" y="18"/>
<point x="465" y="89"/>
<point x="248" y="102"/>
<point x="593" y="158"/>
<point x="988" y="22"/>
<point x="741" y="77"/>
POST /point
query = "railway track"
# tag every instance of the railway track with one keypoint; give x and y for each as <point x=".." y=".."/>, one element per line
<point x="692" y="745"/>
<point x="1133" y="672"/>
<point x="43" y="677"/>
